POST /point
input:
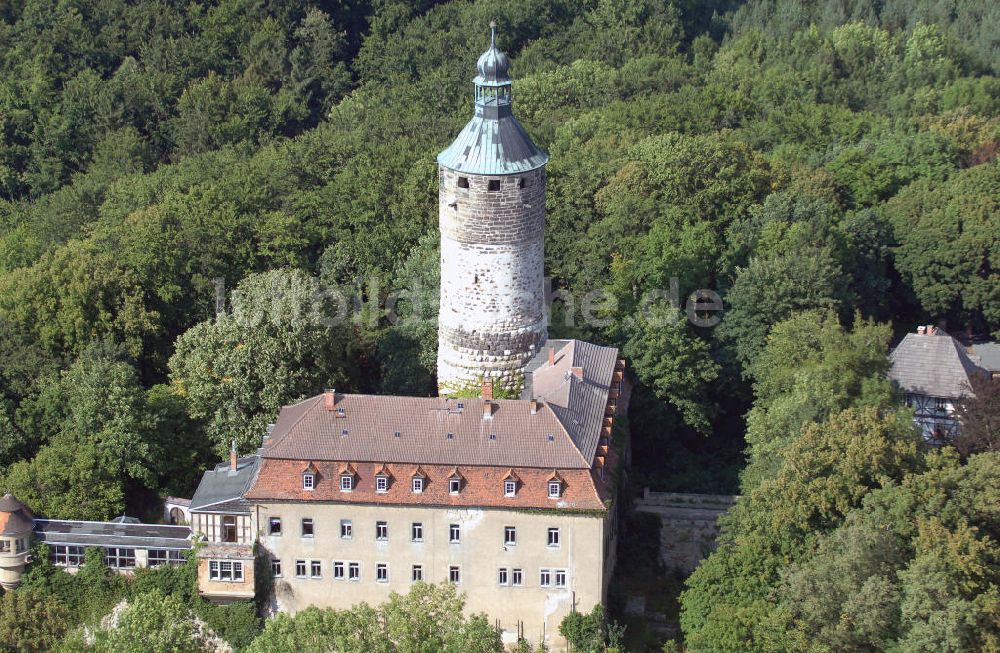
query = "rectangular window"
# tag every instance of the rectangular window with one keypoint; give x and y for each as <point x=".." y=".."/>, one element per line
<point x="274" y="526"/>
<point x="554" y="488"/>
<point x="308" y="481"/>
<point x="544" y="577"/>
<point x="381" y="530"/>
<point x="381" y="484"/>
<point x="276" y="568"/>
<point x="346" y="483"/>
<point x="229" y="528"/>
<point x="315" y="569"/>
<point x="225" y="571"/>
<point x="346" y="529"/>
<point x="509" y="535"/>
<point x="503" y="577"/>
<point x="157" y="557"/>
<point x="553" y="537"/>
<point x="417" y="573"/>
<point x="463" y="182"/>
<point x="455" y="574"/>
<point x="307" y="527"/>
<point x="417" y="532"/>
<point x="300" y="568"/>
<point x="338" y="570"/>
<point x="560" y="575"/>
<point x="494" y="185"/>
<point x="119" y="558"/>
<point x="4" y="546"/>
<point x="454" y="533"/>
<point x="418" y="485"/>
<point x="454" y="485"/>
<point x="354" y="571"/>
<point x="509" y="488"/>
<point x="382" y="572"/>
<point x="516" y="577"/>
<point x="66" y="556"/>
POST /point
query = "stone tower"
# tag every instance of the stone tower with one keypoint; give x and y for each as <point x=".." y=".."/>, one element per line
<point x="492" y="217"/>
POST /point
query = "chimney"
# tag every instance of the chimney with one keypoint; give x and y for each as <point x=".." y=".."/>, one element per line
<point x="330" y="399"/>
<point x="232" y="457"/>
<point x="488" y="390"/>
<point x="552" y="356"/>
<point x="578" y="372"/>
<point x="921" y="330"/>
<point x="931" y="330"/>
<point x="487" y="409"/>
<point x="534" y="406"/>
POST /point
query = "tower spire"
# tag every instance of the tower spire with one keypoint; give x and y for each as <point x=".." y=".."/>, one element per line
<point x="493" y="34"/>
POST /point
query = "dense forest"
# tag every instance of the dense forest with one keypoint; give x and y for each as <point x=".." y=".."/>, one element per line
<point x="830" y="169"/>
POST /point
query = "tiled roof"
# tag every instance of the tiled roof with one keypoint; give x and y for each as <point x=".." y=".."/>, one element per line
<point x="934" y="365"/>
<point x="88" y="533"/>
<point x="989" y="355"/>
<point x="280" y="480"/>
<point x="410" y="435"/>
<point x="14" y="516"/>
<point x="221" y="490"/>
<point x="512" y="437"/>
<point x="578" y="403"/>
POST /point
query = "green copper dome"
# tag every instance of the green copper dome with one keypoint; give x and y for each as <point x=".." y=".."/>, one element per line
<point x="493" y="142"/>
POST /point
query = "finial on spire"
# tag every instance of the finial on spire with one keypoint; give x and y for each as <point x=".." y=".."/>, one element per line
<point x="493" y="34"/>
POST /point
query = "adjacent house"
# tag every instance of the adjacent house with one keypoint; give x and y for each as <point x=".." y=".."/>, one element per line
<point x="125" y="543"/>
<point x="221" y="515"/>
<point x="935" y="371"/>
<point x="988" y="356"/>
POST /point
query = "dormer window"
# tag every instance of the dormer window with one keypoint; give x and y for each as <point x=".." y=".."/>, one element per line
<point x="381" y="483"/>
<point x="308" y="481"/>
<point x="418" y="484"/>
<point x="346" y="483"/>
<point x="454" y="485"/>
<point x="510" y="488"/>
<point x="555" y="489"/>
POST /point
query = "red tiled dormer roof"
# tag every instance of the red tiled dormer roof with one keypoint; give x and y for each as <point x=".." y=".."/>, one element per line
<point x="482" y="487"/>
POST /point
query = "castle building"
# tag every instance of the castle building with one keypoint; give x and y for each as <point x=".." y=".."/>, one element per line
<point x="352" y="497"/>
<point x="492" y="317"/>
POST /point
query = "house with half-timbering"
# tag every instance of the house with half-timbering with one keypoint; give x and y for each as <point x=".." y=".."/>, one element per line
<point x="934" y="371"/>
